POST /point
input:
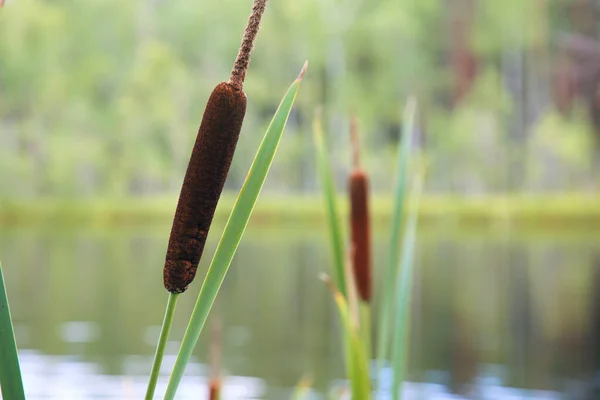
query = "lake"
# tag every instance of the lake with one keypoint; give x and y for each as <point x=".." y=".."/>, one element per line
<point x="495" y="314"/>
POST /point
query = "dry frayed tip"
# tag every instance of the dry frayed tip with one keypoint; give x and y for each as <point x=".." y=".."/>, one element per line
<point x="328" y="282"/>
<point x="303" y="71"/>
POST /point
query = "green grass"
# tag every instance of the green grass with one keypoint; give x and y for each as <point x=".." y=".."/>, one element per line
<point x="331" y="206"/>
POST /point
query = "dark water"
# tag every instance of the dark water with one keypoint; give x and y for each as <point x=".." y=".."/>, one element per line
<point x="495" y="316"/>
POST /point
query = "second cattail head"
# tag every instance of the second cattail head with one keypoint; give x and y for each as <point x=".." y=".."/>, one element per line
<point x="360" y="223"/>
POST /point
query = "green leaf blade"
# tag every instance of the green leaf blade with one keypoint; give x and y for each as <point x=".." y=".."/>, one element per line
<point x="232" y="234"/>
<point x="357" y="364"/>
<point x="404" y="285"/>
<point x="336" y="236"/>
<point x="10" y="372"/>
<point x="387" y="295"/>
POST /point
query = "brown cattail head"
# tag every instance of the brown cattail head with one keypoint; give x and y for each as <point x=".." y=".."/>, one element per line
<point x="208" y="167"/>
<point x="203" y="184"/>
<point x="360" y="223"/>
<point x="214" y="388"/>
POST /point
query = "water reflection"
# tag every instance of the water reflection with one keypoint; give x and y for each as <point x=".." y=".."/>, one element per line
<point x="493" y="317"/>
<point x="70" y="377"/>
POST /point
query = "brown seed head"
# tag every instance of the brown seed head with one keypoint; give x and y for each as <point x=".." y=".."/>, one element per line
<point x="360" y="221"/>
<point x="361" y="233"/>
<point x="203" y="183"/>
<point x="214" y="388"/>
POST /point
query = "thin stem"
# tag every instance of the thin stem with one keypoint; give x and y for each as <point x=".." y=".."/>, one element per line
<point x="162" y="344"/>
<point x="215" y="348"/>
<point x="355" y="141"/>
<point x="365" y="328"/>
<point x="238" y="74"/>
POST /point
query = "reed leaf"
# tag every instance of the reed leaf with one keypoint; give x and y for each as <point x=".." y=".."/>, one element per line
<point x="360" y="383"/>
<point x="232" y="234"/>
<point x="10" y="371"/>
<point x="387" y="295"/>
<point x="404" y="289"/>
<point x="336" y="236"/>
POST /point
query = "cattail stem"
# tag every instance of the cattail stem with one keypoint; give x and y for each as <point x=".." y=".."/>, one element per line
<point x="365" y="327"/>
<point x="238" y="73"/>
<point x="162" y="344"/>
<point x="355" y="142"/>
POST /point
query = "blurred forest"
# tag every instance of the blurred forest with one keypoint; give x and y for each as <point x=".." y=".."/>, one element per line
<point x="103" y="98"/>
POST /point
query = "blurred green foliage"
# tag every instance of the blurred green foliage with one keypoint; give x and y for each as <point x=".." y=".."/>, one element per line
<point x="104" y="97"/>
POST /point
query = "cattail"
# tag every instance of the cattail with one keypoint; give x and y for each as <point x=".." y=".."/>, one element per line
<point x="214" y="389"/>
<point x="359" y="220"/>
<point x="208" y="167"/>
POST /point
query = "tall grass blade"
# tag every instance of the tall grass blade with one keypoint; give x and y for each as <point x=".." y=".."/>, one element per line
<point x="385" y="321"/>
<point x="358" y="367"/>
<point x="232" y="234"/>
<point x="330" y="198"/>
<point x="404" y="286"/>
<point x="10" y="372"/>
<point x="162" y="344"/>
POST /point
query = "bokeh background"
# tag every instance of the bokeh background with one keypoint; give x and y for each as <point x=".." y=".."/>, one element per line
<point x="100" y="101"/>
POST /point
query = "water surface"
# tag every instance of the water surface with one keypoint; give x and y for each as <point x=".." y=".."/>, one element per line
<point x="495" y="316"/>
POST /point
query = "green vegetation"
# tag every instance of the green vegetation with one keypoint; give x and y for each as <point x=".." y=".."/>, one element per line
<point x="331" y="208"/>
<point x="402" y="301"/>
<point x="95" y="130"/>
<point x="394" y="290"/>
<point x="538" y="213"/>
<point x="109" y="111"/>
<point x="10" y="371"/>
<point x="390" y="281"/>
